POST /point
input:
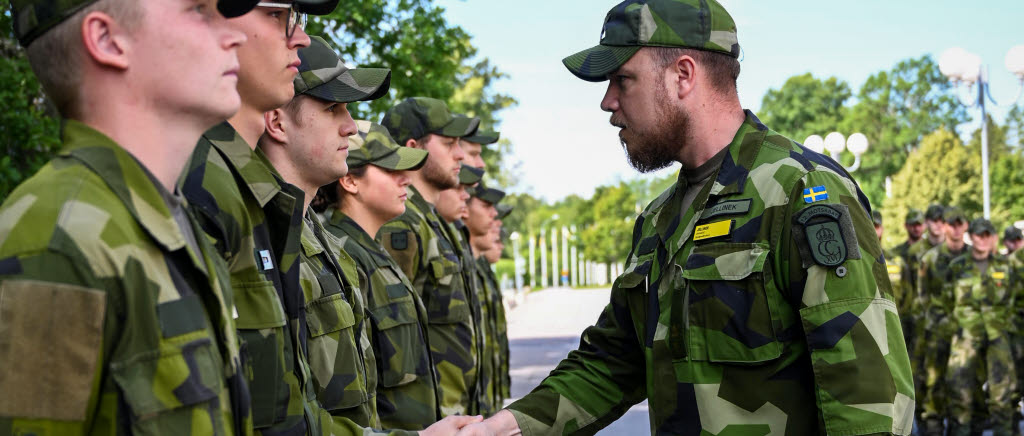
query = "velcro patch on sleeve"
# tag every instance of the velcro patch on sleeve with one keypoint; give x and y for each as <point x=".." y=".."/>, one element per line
<point x="825" y="235"/>
<point x="50" y="339"/>
<point x="400" y="240"/>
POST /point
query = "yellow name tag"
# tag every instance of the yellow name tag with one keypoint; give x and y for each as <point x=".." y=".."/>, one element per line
<point x="893" y="269"/>
<point x="713" y="230"/>
<point x="998" y="275"/>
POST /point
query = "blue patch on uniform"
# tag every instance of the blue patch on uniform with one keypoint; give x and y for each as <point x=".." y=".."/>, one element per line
<point x="817" y="193"/>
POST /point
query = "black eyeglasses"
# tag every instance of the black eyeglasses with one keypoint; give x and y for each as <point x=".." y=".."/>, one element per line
<point x="296" y="19"/>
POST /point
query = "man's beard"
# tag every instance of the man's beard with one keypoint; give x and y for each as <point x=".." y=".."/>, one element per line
<point x="654" y="149"/>
<point x="438" y="177"/>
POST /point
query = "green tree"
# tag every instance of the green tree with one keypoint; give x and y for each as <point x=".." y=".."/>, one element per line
<point x="606" y="231"/>
<point x="895" y="109"/>
<point x="941" y="170"/>
<point x="29" y="128"/>
<point x="805" y="106"/>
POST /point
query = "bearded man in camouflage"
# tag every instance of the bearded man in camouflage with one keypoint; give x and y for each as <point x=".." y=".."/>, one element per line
<point x="755" y="298"/>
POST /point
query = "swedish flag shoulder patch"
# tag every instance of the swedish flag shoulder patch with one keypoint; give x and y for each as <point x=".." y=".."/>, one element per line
<point x="814" y="194"/>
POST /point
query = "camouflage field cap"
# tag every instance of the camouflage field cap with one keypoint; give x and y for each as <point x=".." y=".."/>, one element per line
<point x="954" y="214"/>
<point x="373" y="145"/>
<point x="322" y="74"/>
<point x="32" y="18"/>
<point x="1012" y="233"/>
<point x="483" y="137"/>
<point x="982" y="225"/>
<point x="876" y="217"/>
<point x="484" y="193"/>
<point x="470" y="175"/>
<point x="503" y="210"/>
<point x="914" y="216"/>
<point x="935" y="212"/>
<point x="697" y="24"/>
<point x="415" y="117"/>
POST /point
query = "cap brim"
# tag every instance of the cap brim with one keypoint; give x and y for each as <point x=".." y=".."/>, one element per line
<point x="315" y="7"/>
<point x="358" y="84"/>
<point x="403" y="159"/>
<point x="483" y="138"/>
<point x="470" y="176"/>
<point x="459" y="127"/>
<point x="235" y="8"/>
<point x="595" y="63"/>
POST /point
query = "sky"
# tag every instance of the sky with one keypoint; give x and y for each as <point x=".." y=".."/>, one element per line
<point x="562" y="138"/>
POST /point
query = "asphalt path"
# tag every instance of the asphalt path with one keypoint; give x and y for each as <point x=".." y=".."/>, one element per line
<point x="543" y="328"/>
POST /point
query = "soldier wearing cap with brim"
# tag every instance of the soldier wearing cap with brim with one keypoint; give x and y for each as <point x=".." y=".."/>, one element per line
<point x="426" y="253"/>
<point x="1013" y="240"/>
<point x="115" y="311"/>
<point x="308" y="142"/>
<point x="492" y="257"/>
<point x="933" y="274"/>
<point x="981" y="288"/>
<point x="255" y="218"/>
<point x="473" y="146"/>
<point x="728" y="283"/>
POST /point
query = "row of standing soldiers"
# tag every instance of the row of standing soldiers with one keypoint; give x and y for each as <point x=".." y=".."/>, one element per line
<point x="962" y="308"/>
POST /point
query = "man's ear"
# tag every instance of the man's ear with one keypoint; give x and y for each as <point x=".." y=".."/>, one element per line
<point x="106" y="42"/>
<point x="411" y="143"/>
<point x="275" y="125"/>
<point x="684" y="75"/>
<point x="349" y="184"/>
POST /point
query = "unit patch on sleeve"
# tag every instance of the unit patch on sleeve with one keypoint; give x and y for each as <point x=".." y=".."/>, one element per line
<point x="825" y="235"/>
<point x="400" y="240"/>
<point x="814" y="194"/>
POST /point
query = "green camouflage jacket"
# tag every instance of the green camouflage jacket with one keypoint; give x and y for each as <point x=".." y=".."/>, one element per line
<point x="339" y="347"/>
<point x="903" y="251"/>
<point x="932" y="275"/>
<point x="110" y="323"/>
<point x="416" y="241"/>
<point x="407" y="395"/>
<point x="503" y="384"/>
<point x="904" y="294"/>
<point x="485" y="338"/>
<point x="982" y="301"/>
<point x="766" y="302"/>
<point x="255" y="219"/>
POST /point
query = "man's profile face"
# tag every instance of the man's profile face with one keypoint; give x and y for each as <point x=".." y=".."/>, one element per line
<point x="444" y="161"/>
<point x="270" y="60"/>
<point x="481" y="217"/>
<point x="318" y="139"/>
<point x="914" y="230"/>
<point x="1014" y="244"/>
<point x="651" y="128"/>
<point x="473" y="153"/>
<point x="451" y="204"/>
<point x="879" y="230"/>
<point x="184" y="54"/>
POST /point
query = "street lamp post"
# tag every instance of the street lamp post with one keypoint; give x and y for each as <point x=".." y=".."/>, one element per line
<point x="543" y="258"/>
<point x="835" y="143"/>
<point x="533" y="267"/>
<point x="555" y="273"/>
<point x="516" y="260"/>
<point x="961" y="66"/>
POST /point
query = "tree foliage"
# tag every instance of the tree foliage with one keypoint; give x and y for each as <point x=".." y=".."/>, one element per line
<point x="805" y="106"/>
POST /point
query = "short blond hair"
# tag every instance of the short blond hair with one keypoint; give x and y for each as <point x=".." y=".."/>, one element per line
<point x="57" y="55"/>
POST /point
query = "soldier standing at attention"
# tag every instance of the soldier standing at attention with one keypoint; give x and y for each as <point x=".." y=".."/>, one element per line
<point x="914" y="225"/>
<point x="487" y="256"/>
<point x="982" y="288"/>
<point x="255" y="217"/>
<point x="754" y="294"/>
<point x="418" y="242"/>
<point x="899" y="275"/>
<point x="371" y="194"/>
<point x="115" y="312"/>
<point x="933" y="274"/>
<point x="1013" y="239"/>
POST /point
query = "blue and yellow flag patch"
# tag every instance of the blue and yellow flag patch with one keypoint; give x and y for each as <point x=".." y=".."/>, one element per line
<point x="817" y="193"/>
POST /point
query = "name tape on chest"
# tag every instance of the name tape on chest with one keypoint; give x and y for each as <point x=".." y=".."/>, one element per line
<point x="724" y="208"/>
<point x="712" y="230"/>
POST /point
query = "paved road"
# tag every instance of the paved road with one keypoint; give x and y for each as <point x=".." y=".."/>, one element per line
<point x="544" y="328"/>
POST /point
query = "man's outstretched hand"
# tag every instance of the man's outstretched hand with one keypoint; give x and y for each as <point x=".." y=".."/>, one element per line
<point x="501" y="424"/>
<point x="450" y="425"/>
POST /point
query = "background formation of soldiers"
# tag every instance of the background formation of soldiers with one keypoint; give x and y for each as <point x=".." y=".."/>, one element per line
<point x="960" y="300"/>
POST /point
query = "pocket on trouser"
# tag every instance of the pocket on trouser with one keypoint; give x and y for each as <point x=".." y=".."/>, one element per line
<point x="730" y="315"/>
<point x="334" y="354"/>
<point x="175" y="390"/>
<point x="399" y="344"/>
<point x="260" y="324"/>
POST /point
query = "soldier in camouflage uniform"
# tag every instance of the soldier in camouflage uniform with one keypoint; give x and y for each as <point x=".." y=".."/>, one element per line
<point x="899" y="277"/>
<point x="933" y="348"/>
<point x="420" y="244"/>
<point x="754" y="298"/>
<point x="1013" y="240"/>
<point x="255" y="219"/>
<point x="372" y="193"/>
<point x="306" y="141"/>
<point x="982" y="288"/>
<point x="913" y="222"/>
<point x="473" y="146"/>
<point x="115" y="312"/>
<point x="491" y="257"/>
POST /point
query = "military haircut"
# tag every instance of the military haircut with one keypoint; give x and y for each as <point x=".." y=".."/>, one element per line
<point x="57" y="55"/>
<point x="722" y="69"/>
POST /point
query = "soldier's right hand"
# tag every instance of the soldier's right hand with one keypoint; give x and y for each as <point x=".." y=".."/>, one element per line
<point x="501" y="424"/>
<point x="450" y="425"/>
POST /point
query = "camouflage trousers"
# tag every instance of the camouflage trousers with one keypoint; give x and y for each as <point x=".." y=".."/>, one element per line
<point x="974" y="360"/>
<point x="933" y="356"/>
